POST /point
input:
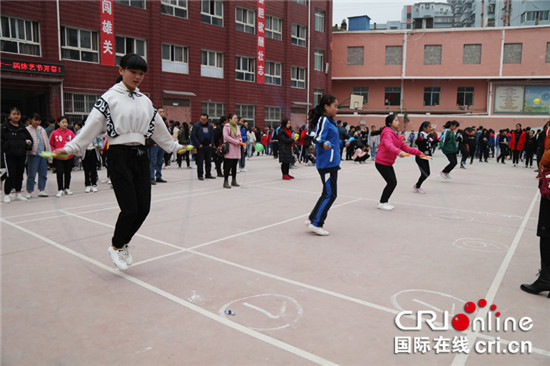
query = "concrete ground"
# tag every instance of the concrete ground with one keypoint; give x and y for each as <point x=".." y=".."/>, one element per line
<point x="295" y="298"/>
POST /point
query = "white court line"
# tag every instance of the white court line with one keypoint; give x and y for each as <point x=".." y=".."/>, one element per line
<point x="222" y="320"/>
<point x="461" y="359"/>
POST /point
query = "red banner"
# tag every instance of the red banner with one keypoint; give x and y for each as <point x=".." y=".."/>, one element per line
<point x="107" y="27"/>
<point x="260" y="55"/>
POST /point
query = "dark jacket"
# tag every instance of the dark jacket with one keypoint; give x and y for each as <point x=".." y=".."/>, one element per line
<point x="285" y="147"/>
<point x="183" y="137"/>
<point x="197" y="134"/>
<point x="14" y="139"/>
<point x="425" y="143"/>
<point x="218" y="135"/>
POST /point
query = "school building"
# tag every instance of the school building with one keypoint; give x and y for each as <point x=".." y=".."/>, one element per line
<point x="261" y="59"/>
<point x="492" y="77"/>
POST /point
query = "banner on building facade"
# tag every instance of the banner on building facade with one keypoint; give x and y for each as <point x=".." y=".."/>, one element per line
<point x="260" y="59"/>
<point x="107" y="27"/>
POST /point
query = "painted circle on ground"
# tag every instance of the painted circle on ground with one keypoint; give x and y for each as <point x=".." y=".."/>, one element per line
<point x="415" y="300"/>
<point x="451" y="216"/>
<point x="264" y="311"/>
<point x="480" y="245"/>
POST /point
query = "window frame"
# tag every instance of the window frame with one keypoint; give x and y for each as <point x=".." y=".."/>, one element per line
<point x="216" y="105"/>
<point x="77" y="114"/>
<point x="295" y="38"/>
<point x="295" y="82"/>
<point x="79" y="48"/>
<point x="434" y="95"/>
<point x="464" y="93"/>
<point x="210" y="16"/>
<point x="272" y="115"/>
<point x="247" y="117"/>
<point x="174" y="5"/>
<point x="320" y="14"/>
<point x="173" y="65"/>
<point x="392" y="90"/>
<point x="118" y="55"/>
<point x="321" y="66"/>
<point x="243" y="25"/>
<point x="129" y="3"/>
<point x="249" y="73"/>
<point x="216" y="69"/>
<point x="363" y="93"/>
<point x="269" y="78"/>
<point x="35" y="33"/>
<point x="270" y="32"/>
<point x="317" y="95"/>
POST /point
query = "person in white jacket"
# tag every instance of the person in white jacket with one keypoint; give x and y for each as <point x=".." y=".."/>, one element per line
<point x="250" y="142"/>
<point x="128" y="117"/>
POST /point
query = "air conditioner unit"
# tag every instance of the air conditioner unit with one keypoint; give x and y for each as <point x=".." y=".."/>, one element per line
<point x="356" y="102"/>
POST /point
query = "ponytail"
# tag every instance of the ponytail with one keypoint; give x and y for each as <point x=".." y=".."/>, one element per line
<point x="319" y="110"/>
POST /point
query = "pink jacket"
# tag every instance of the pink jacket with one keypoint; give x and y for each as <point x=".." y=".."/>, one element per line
<point x="390" y="146"/>
<point x="33" y="133"/>
<point x="59" y="138"/>
<point x="234" y="146"/>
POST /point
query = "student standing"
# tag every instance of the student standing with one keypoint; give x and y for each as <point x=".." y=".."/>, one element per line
<point x="448" y="146"/>
<point x="35" y="162"/>
<point x="327" y="151"/>
<point x="503" y="146"/>
<point x="16" y="140"/>
<point x="286" y="142"/>
<point x="529" y="148"/>
<point x="424" y="143"/>
<point x="517" y="140"/>
<point x="128" y="117"/>
<point x="391" y="146"/>
<point x="63" y="165"/>
<point x="231" y="135"/>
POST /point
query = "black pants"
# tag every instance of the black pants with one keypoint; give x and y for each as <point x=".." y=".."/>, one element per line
<point x="230" y="167"/>
<point x="180" y="157"/>
<point x="275" y="149"/>
<point x="424" y="166"/>
<point x="529" y="158"/>
<point x="483" y="152"/>
<point x="218" y="162"/>
<point x="285" y="168"/>
<point x="63" y="169"/>
<point x="503" y="153"/>
<point x="452" y="162"/>
<point x="129" y="168"/>
<point x="16" y="167"/>
<point x="388" y="174"/>
<point x="319" y="214"/>
<point x="515" y="156"/>
<point x="89" y="163"/>
<point x="204" y="155"/>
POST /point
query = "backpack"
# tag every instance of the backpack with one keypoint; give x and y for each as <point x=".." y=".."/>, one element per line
<point x="442" y="139"/>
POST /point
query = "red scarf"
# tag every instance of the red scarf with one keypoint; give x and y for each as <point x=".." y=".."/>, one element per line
<point x="289" y="133"/>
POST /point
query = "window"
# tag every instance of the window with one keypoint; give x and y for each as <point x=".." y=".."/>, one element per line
<point x="245" y="68"/>
<point x="355" y="55"/>
<point x="301" y="2"/>
<point x="175" y="58"/>
<point x="317" y="95"/>
<point x="272" y="116"/>
<point x="394" y="55"/>
<point x="273" y="73"/>
<point x="212" y="12"/>
<point x="177" y="8"/>
<point x="362" y="90"/>
<point x="273" y="28"/>
<point x="432" y="55"/>
<point x="392" y="96"/>
<point x="79" y="45"/>
<point x="465" y="96"/>
<point x="319" y="20"/>
<point x="547" y="59"/>
<point x="512" y="53"/>
<point x="532" y="16"/>
<point x="246" y="111"/>
<point x="78" y="106"/>
<point x="20" y="36"/>
<point x="431" y="96"/>
<point x="245" y="20"/>
<point x="298" y="35"/>
<point x="124" y="45"/>
<point x="319" y="60"/>
<point x="297" y="77"/>
<point x="212" y="64"/>
<point x="471" y="54"/>
<point x="213" y="109"/>
<point x="135" y="3"/>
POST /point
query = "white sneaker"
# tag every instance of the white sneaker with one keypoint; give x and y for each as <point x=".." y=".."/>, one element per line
<point x="307" y="222"/>
<point x="444" y="175"/>
<point x="385" y="206"/>
<point x="118" y="258"/>
<point x="42" y="194"/>
<point x="60" y="193"/>
<point x="418" y="190"/>
<point x="68" y="191"/>
<point x="244" y="170"/>
<point x="88" y="189"/>
<point x="19" y="197"/>
<point x="94" y="189"/>
<point x="7" y="198"/>
<point x="127" y="255"/>
<point x="238" y="170"/>
<point x="28" y="195"/>
<point x="318" y="230"/>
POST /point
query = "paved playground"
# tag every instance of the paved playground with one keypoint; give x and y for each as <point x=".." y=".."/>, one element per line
<point x="233" y="277"/>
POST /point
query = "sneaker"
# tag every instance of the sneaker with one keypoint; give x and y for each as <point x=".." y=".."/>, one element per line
<point x="462" y="166"/>
<point x="286" y="177"/>
<point x="444" y="175"/>
<point x="318" y="230"/>
<point x="7" y="199"/>
<point x="238" y="170"/>
<point x="160" y="180"/>
<point x="94" y="189"/>
<point x="307" y="222"/>
<point x="244" y="170"/>
<point x="42" y="194"/>
<point x="118" y="257"/>
<point x="418" y="190"/>
<point x="68" y="191"/>
<point x="60" y="193"/>
<point x="88" y="189"/>
<point x="290" y="176"/>
<point x="385" y="206"/>
<point x="153" y="182"/>
<point x="28" y="195"/>
<point x="127" y="255"/>
<point x="19" y="197"/>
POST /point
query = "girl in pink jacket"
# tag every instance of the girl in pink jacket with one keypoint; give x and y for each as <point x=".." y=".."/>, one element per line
<point x="63" y="166"/>
<point x="391" y="146"/>
<point x="231" y="135"/>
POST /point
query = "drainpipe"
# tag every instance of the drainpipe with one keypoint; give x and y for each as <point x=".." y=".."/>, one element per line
<point x="308" y="53"/>
<point x="62" y="101"/>
<point x="403" y="67"/>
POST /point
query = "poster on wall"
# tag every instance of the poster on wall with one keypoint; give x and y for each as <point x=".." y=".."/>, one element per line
<point x="508" y="99"/>
<point x="537" y="99"/>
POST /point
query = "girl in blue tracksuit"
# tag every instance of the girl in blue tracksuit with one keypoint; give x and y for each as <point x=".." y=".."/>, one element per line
<point x="327" y="150"/>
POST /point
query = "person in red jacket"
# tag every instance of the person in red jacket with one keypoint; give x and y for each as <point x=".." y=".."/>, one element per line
<point x="517" y="140"/>
<point x="63" y="166"/>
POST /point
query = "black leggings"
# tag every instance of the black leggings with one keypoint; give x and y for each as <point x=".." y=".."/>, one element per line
<point x="63" y="169"/>
<point x="424" y="166"/>
<point x="180" y="157"/>
<point x="515" y="156"/>
<point x="545" y="251"/>
<point x="230" y="166"/>
<point x="16" y="167"/>
<point x="388" y="174"/>
<point x="89" y="163"/>
<point x="285" y="168"/>
<point x="452" y="162"/>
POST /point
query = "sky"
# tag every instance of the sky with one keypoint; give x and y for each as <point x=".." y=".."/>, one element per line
<point x="379" y="11"/>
